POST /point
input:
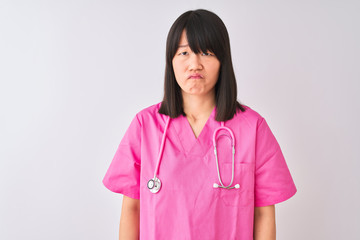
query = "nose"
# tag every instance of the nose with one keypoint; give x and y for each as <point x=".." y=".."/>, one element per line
<point x="195" y="62"/>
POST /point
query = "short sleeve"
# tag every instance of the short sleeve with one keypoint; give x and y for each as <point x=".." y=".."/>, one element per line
<point x="123" y="174"/>
<point x="273" y="181"/>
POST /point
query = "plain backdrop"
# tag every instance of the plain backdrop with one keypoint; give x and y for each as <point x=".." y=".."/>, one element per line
<point x="74" y="73"/>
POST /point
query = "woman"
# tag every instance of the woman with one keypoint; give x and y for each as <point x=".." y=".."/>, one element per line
<point x="174" y="186"/>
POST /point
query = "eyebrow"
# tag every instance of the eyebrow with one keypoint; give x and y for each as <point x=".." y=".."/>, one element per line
<point x="186" y="45"/>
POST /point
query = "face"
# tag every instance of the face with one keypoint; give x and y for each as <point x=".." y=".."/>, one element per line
<point x="196" y="74"/>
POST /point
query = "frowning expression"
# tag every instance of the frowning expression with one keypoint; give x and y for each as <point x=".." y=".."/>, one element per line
<point x="196" y="73"/>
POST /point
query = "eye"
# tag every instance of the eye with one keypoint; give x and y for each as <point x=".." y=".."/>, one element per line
<point x="183" y="53"/>
<point x="207" y="54"/>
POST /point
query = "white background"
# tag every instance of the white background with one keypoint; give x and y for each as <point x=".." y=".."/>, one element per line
<point x="74" y="73"/>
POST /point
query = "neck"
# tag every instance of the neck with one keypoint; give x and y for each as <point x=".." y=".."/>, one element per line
<point x="198" y="107"/>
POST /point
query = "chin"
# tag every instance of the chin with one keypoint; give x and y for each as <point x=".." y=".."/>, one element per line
<point x="199" y="93"/>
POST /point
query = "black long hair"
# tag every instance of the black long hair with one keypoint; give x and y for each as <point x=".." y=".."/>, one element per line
<point x="205" y="31"/>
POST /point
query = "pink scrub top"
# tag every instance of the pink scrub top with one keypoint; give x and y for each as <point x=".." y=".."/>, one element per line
<point x="187" y="205"/>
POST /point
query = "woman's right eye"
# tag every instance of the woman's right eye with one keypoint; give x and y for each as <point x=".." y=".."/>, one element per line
<point x="183" y="53"/>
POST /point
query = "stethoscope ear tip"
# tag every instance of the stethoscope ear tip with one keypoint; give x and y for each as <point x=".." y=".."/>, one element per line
<point x="215" y="185"/>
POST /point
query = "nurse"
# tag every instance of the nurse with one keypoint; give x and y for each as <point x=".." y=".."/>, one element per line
<point x="171" y="143"/>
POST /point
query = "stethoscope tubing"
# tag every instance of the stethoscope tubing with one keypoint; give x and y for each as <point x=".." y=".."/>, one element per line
<point x="161" y="147"/>
<point x="232" y="138"/>
<point x="154" y="184"/>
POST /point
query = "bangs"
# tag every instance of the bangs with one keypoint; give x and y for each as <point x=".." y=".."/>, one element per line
<point x="202" y="36"/>
<point x="205" y="32"/>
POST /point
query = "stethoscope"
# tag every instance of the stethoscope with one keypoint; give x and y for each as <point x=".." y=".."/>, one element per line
<point x="154" y="184"/>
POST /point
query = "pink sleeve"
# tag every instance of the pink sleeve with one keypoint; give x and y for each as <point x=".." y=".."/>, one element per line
<point x="273" y="181"/>
<point x="123" y="174"/>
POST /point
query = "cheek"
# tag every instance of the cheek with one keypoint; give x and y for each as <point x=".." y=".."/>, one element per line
<point x="177" y="73"/>
<point x="175" y="66"/>
<point x="178" y="68"/>
<point x="215" y="69"/>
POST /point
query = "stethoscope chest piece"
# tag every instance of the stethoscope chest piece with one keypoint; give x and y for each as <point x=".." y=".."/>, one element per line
<point x="154" y="185"/>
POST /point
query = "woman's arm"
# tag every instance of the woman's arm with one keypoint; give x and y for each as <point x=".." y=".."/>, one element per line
<point x="264" y="223"/>
<point x="130" y="219"/>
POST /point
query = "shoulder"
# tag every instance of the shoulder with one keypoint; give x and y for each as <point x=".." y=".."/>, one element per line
<point x="250" y="116"/>
<point x="150" y="113"/>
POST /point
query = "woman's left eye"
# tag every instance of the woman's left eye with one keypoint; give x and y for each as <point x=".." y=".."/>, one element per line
<point x="206" y="54"/>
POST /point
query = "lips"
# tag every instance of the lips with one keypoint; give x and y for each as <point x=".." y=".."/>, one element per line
<point x="196" y="76"/>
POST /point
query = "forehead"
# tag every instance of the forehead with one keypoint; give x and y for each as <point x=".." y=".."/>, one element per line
<point x="183" y="39"/>
<point x="195" y="41"/>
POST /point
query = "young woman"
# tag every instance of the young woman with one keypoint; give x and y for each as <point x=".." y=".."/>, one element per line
<point x="199" y="165"/>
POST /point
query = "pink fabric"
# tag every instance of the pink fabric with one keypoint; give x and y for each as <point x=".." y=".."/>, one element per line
<point x="187" y="206"/>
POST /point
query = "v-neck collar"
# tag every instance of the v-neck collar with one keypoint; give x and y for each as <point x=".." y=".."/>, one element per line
<point x="192" y="145"/>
